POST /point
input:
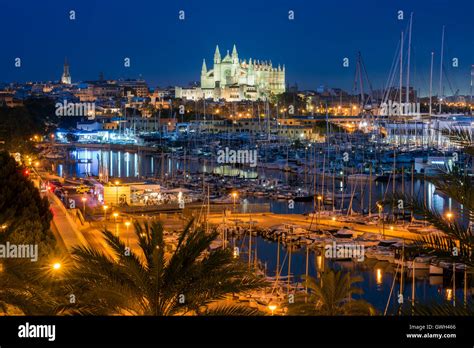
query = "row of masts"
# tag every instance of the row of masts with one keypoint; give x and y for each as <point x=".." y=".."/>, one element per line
<point x="401" y="67"/>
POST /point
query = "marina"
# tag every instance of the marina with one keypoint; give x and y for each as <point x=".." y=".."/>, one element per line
<point x="237" y="166"/>
<point x="335" y="205"/>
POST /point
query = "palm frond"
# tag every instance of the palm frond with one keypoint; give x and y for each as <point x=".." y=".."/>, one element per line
<point x="229" y="310"/>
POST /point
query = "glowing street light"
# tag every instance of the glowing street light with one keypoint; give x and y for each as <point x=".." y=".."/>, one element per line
<point x="272" y="308"/>
<point x="105" y="207"/>
<point x="449" y="215"/>
<point x="84" y="199"/>
<point x="116" y="226"/>
<point x="57" y="266"/>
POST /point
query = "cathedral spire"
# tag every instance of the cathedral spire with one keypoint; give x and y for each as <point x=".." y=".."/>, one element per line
<point x="217" y="55"/>
<point x="66" y="76"/>
<point x="204" y="67"/>
<point x="234" y="52"/>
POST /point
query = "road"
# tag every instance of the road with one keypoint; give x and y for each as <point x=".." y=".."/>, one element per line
<point x="64" y="225"/>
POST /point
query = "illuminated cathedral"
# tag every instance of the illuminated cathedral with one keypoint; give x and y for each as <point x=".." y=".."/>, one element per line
<point x="235" y="79"/>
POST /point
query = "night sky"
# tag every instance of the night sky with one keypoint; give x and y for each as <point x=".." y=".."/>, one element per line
<point x="166" y="51"/>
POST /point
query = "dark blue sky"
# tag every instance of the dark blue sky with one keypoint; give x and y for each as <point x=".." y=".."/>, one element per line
<point x="166" y="51"/>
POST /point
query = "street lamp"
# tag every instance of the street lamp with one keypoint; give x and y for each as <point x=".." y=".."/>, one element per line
<point x="234" y="196"/>
<point x="449" y="215"/>
<point x="320" y="198"/>
<point x="56" y="266"/>
<point x="105" y="207"/>
<point x="272" y="308"/>
<point x="84" y="199"/>
<point x="116" y="226"/>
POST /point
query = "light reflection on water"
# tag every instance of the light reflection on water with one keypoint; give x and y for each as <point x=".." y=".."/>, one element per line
<point x="377" y="277"/>
<point x="133" y="165"/>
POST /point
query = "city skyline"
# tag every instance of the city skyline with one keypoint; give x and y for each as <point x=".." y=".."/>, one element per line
<point x="103" y="35"/>
<point x="236" y="161"/>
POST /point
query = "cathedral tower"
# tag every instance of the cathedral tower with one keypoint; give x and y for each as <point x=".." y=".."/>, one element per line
<point x="66" y="77"/>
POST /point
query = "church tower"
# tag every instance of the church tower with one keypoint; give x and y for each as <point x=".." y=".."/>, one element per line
<point x="235" y="56"/>
<point x="217" y="55"/>
<point x="217" y="67"/>
<point x="66" y="77"/>
<point x="206" y="82"/>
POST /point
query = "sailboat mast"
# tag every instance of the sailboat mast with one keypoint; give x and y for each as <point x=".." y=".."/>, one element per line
<point x="407" y="97"/>
<point x="370" y="189"/>
<point x="431" y="107"/>
<point x="431" y="84"/>
<point x="307" y="269"/>
<point x="440" y="92"/>
<point x="401" y="69"/>
<point x="413" y="285"/>
<point x="278" y="260"/>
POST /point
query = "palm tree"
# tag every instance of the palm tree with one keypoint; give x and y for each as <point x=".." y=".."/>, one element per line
<point x="332" y="295"/>
<point x="160" y="282"/>
<point x="34" y="288"/>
